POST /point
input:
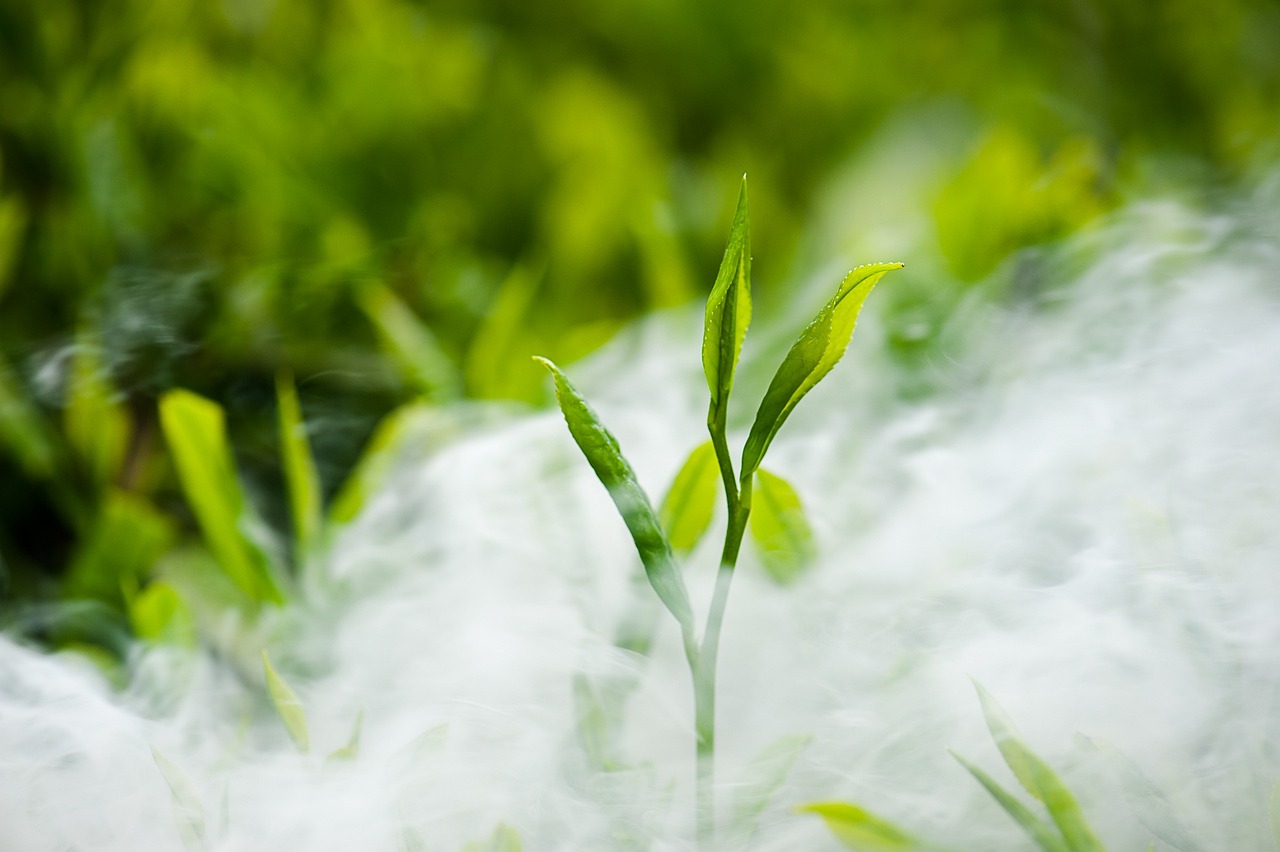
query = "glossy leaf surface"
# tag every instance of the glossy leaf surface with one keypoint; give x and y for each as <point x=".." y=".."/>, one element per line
<point x="813" y="355"/>
<point x="614" y="471"/>
<point x="728" y="312"/>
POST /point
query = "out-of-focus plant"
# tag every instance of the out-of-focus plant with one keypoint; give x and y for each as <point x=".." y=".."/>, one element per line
<point x="810" y="359"/>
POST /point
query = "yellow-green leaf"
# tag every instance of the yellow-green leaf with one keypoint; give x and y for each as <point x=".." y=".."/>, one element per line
<point x="728" y="314"/>
<point x="195" y="431"/>
<point x="351" y="750"/>
<point x="127" y="538"/>
<point x="811" y="357"/>
<point x="287" y="705"/>
<point x="158" y="613"/>
<point x="1037" y="829"/>
<point x="690" y="502"/>
<point x="504" y="839"/>
<point x="97" y="424"/>
<point x="1037" y="778"/>
<point x="859" y="829"/>
<point x="300" y="475"/>
<point x="23" y="430"/>
<point x="614" y="471"/>
<point x="779" y="528"/>
<point x="188" y="810"/>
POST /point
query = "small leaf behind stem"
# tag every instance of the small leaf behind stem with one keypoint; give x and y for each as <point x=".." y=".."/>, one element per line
<point x="811" y="357"/>
<point x="728" y="313"/>
<point x="779" y="527"/>
<point x="690" y="502"/>
<point x="287" y="705"/>
<point x="614" y="471"/>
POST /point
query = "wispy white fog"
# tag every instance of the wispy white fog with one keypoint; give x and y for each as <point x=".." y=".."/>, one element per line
<point x="1083" y="518"/>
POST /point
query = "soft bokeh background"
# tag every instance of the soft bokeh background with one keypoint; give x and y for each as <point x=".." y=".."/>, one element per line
<point x="396" y="201"/>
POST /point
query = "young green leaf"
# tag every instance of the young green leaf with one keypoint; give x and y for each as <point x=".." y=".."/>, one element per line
<point x="299" y="468"/>
<point x="811" y="357"/>
<point x="863" y="831"/>
<point x="614" y="471"/>
<point x="158" y="613"/>
<point x="188" y="810"/>
<point x="728" y="314"/>
<point x="1037" y="829"/>
<point x="196" y="434"/>
<point x="97" y="424"/>
<point x="23" y="431"/>
<point x="686" y="510"/>
<point x="287" y="706"/>
<point x="764" y="776"/>
<point x="352" y="749"/>
<point x="126" y="539"/>
<point x="1037" y="778"/>
<point x="779" y="527"/>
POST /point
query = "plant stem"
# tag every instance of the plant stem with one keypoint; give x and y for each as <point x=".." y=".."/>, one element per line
<point x="704" y="676"/>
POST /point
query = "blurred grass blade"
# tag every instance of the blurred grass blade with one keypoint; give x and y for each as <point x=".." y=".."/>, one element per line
<point x="496" y="366"/>
<point x="195" y="431"/>
<point x="126" y="539"/>
<point x="188" y="810"/>
<point x="1147" y="801"/>
<point x="593" y="724"/>
<point x="374" y="464"/>
<point x="410" y="343"/>
<point x="614" y="471"/>
<point x="811" y="357"/>
<point x="300" y="475"/>
<point x="779" y="528"/>
<point x="23" y="430"/>
<point x="728" y="314"/>
<point x="687" y="509"/>
<point x="504" y="839"/>
<point x="764" y="776"/>
<point x="863" y="831"/>
<point x="1037" y="829"/>
<point x="351" y="750"/>
<point x="97" y="425"/>
<point x="1037" y="778"/>
<point x="287" y="706"/>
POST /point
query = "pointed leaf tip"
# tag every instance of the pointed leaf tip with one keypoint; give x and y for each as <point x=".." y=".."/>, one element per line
<point x="813" y="355"/>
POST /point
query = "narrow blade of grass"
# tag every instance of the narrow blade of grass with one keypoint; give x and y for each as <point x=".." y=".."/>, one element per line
<point x="410" y="343"/>
<point x="813" y="355"/>
<point x="287" y="705"/>
<point x="690" y="502"/>
<point x="1037" y="778"/>
<point x="195" y="431"/>
<point x="1037" y="829"/>
<point x="780" y="529"/>
<point x="96" y="423"/>
<point x="614" y="471"/>
<point x="301" y="479"/>
<point x="351" y="750"/>
<point x="188" y="810"/>
<point x="126" y="539"/>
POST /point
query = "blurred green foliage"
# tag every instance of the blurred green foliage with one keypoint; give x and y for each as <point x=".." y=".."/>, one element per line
<point x="393" y="199"/>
